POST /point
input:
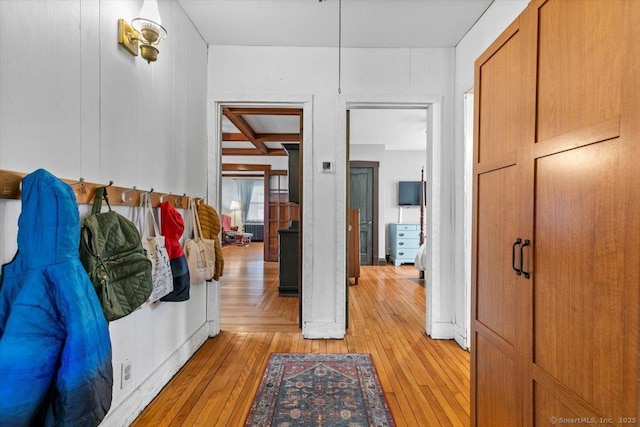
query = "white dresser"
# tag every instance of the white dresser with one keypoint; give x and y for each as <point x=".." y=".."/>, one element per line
<point x="404" y="242"/>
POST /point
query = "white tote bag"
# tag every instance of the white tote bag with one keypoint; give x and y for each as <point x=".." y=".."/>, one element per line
<point x="200" y="253"/>
<point x="161" y="275"/>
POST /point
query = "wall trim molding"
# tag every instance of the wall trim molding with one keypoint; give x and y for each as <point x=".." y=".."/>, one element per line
<point x="134" y="404"/>
<point x="213" y="307"/>
<point x="318" y="330"/>
<point x="460" y="337"/>
<point x="442" y="331"/>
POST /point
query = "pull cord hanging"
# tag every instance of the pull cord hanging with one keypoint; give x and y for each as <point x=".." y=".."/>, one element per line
<point x="339" y="46"/>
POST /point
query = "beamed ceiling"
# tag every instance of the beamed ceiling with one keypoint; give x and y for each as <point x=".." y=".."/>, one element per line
<point x="259" y="131"/>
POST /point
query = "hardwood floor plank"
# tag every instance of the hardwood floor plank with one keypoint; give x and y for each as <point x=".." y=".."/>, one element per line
<point x="426" y="382"/>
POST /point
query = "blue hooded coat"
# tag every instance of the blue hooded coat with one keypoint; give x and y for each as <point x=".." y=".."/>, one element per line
<point x="55" y="351"/>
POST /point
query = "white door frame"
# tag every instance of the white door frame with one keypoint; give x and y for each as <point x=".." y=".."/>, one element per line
<point x="214" y="169"/>
<point x="433" y="284"/>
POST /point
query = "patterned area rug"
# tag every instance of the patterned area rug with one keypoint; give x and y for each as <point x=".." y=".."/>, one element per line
<point x="319" y="390"/>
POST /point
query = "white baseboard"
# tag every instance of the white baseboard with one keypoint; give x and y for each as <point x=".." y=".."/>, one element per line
<point x="134" y="404"/>
<point x="441" y="331"/>
<point x="213" y="308"/>
<point x="329" y="331"/>
<point x="460" y="337"/>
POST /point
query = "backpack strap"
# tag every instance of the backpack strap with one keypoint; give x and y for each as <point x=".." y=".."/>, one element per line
<point x="97" y="200"/>
<point x="101" y="193"/>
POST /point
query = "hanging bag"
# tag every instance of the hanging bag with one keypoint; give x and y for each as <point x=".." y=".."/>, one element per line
<point x="172" y="227"/>
<point x="200" y="253"/>
<point x="156" y="249"/>
<point x="210" y="225"/>
<point x="112" y="254"/>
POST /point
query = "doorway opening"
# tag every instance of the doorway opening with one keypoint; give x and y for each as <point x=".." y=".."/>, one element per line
<point x="430" y="109"/>
<point x="251" y="149"/>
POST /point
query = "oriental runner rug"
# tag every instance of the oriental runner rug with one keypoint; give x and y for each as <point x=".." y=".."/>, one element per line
<point x="319" y="390"/>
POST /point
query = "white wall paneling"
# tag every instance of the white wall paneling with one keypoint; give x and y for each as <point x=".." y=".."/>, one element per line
<point x="76" y="103"/>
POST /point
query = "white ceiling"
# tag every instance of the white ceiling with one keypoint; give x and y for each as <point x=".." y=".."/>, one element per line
<point x="365" y="24"/>
<point x="314" y="23"/>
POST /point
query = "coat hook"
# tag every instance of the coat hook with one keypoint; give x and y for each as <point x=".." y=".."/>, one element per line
<point x="163" y="196"/>
<point x="146" y="193"/>
<point x="110" y="184"/>
<point x="81" y="189"/>
<point x="123" y="196"/>
<point x="178" y="200"/>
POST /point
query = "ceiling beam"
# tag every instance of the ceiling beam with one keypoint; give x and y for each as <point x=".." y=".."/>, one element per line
<point x="266" y="111"/>
<point x="251" y="152"/>
<point x="264" y="137"/>
<point x="243" y="167"/>
<point x="234" y="137"/>
<point x="243" y="175"/>
<point x="278" y="137"/>
<point x="244" y="127"/>
<point x="282" y="172"/>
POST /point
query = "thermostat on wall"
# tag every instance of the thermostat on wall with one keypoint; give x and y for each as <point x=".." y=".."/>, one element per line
<point x="326" y="166"/>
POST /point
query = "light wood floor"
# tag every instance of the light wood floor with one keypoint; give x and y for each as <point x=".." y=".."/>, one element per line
<point x="426" y="382"/>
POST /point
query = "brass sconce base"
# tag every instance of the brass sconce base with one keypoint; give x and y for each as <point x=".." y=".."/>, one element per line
<point x="128" y="37"/>
<point x="148" y="52"/>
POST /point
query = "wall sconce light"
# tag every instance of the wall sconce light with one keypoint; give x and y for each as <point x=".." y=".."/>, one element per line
<point x="145" y="30"/>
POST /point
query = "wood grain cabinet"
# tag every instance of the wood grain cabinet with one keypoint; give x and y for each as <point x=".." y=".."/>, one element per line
<point x="555" y="265"/>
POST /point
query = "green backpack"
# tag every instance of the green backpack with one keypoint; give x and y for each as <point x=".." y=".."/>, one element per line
<point x="112" y="254"/>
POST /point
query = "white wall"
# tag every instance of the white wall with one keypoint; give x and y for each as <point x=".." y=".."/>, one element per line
<point x="395" y="166"/>
<point x="484" y="32"/>
<point x="314" y="72"/>
<point x="74" y="102"/>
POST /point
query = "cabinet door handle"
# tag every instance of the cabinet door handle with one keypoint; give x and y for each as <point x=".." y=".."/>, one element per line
<point x="527" y="274"/>
<point x="400" y="253"/>
<point x="401" y="234"/>
<point x="400" y="243"/>
<point x="513" y="256"/>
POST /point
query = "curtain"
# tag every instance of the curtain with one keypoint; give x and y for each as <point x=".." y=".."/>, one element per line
<point x="245" y="188"/>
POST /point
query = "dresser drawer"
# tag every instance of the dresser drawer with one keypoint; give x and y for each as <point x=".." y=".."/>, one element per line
<point x="400" y="227"/>
<point x="404" y="256"/>
<point x="407" y="234"/>
<point x="403" y="243"/>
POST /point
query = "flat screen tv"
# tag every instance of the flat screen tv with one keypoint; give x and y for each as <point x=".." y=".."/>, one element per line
<point x="409" y="193"/>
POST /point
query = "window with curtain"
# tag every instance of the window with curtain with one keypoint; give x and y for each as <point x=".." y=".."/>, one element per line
<point x="256" y="204"/>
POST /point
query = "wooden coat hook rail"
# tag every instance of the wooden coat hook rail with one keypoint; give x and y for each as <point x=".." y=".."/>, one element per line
<point x="118" y="196"/>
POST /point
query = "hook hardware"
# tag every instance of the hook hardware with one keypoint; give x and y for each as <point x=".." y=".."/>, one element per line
<point x="123" y="196"/>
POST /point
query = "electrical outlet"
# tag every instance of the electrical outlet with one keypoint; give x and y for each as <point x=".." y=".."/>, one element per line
<point x="126" y="373"/>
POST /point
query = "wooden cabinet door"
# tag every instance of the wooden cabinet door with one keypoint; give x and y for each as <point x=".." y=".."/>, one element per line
<point x="559" y="344"/>
<point x="503" y="94"/>
<point x="279" y="212"/>
<point x="585" y="214"/>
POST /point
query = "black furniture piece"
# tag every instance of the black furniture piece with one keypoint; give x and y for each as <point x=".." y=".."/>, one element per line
<point x="289" y="238"/>
<point x="293" y="151"/>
